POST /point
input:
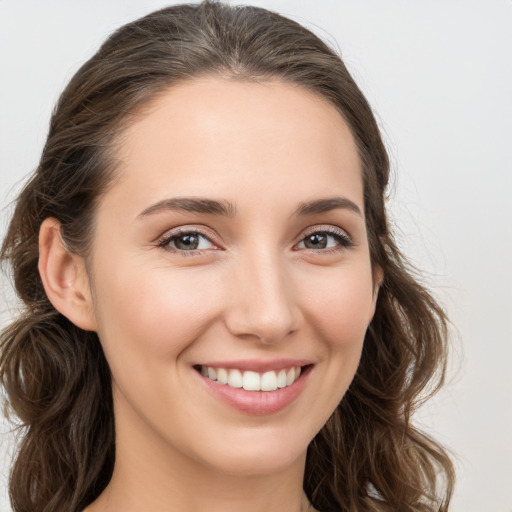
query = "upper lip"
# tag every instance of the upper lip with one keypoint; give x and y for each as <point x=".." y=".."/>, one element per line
<point x="257" y="365"/>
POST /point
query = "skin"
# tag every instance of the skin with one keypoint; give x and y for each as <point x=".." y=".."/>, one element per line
<point x="253" y="290"/>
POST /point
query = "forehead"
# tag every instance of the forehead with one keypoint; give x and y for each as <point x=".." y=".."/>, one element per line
<point x="222" y="133"/>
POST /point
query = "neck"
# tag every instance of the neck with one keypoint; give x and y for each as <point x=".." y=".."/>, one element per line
<point x="150" y="475"/>
<point x="136" y="487"/>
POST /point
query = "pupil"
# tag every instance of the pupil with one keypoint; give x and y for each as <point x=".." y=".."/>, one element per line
<point x="316" y="241"/>
<point x="187" y="242"/>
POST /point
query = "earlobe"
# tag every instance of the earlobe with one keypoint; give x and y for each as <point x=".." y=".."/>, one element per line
<point x="64" y="277"/>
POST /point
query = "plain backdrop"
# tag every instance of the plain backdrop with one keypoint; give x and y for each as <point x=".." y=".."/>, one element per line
<point x="439" y="76"/>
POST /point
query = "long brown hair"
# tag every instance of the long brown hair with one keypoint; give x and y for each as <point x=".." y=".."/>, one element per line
<point x="368" y="457"/>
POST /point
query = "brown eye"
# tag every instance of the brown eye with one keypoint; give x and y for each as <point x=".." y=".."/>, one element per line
<point x="316" y="241"/>
<point x="330" y="240"/>
<point x="187" y="242"/>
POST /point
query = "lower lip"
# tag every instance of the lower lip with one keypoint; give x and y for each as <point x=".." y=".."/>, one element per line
<point x="257" y="403"/>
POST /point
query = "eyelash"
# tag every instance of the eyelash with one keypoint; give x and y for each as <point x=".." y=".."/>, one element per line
<point x="344" y="241"/>
<point x="167" y="239"/>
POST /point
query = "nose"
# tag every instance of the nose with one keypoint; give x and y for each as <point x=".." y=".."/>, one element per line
<point x="262" y="303"/>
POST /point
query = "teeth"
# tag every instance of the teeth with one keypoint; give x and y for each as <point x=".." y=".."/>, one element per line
<point x="235" y="379"/>
<point x="290" y="376"/>
<point x="281" y="379"/>
<point x="268" y="381"/>
<point x="253" y="381"/>
<point x="222" y="375"/>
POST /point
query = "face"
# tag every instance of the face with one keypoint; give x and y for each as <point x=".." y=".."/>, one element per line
<point x="232" y="251"/>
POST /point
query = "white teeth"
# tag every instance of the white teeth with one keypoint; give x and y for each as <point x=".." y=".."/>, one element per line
<point x="281" y="379"/>
<point x="253" y="381"/>
<point x="268" y="381"/>
<point x="222" y="375"/>
<point x="235" y="379"/>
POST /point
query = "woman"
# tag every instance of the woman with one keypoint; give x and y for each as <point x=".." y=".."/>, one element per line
<point x="217" y="317"/>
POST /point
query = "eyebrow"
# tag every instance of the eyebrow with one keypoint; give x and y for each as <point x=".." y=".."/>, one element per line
<point x="326" y="205"/>
<point x="228" y="209"/>
<point x="191" y="204"/>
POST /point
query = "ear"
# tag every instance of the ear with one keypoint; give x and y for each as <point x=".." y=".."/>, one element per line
<point x="64" y="277"/>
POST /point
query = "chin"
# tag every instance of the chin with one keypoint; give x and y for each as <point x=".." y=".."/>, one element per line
<point x="257" y="454"/>
<point x="258" y="464"/>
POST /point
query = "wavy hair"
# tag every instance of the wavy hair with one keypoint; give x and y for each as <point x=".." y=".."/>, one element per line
<point x="368" y="456"/>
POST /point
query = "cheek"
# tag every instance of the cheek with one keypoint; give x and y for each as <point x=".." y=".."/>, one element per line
<point x="341" y="307"/>
<point x="339" y="310"/>
<point x="154" y="312"/>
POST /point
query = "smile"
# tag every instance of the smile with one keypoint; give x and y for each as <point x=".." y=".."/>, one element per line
<point x="251" y="380"/>
<point x="256" y="387"/>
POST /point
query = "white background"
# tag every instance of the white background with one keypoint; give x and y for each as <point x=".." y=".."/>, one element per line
<point x="439" y="76"/>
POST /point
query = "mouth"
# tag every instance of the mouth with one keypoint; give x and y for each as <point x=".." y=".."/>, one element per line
<point x="251" y="380"/>
<point x="255" y="392"/>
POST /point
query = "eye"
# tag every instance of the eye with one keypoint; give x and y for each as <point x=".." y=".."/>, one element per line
<point x="186" y="241"/>
<point x="326" y="239"/>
